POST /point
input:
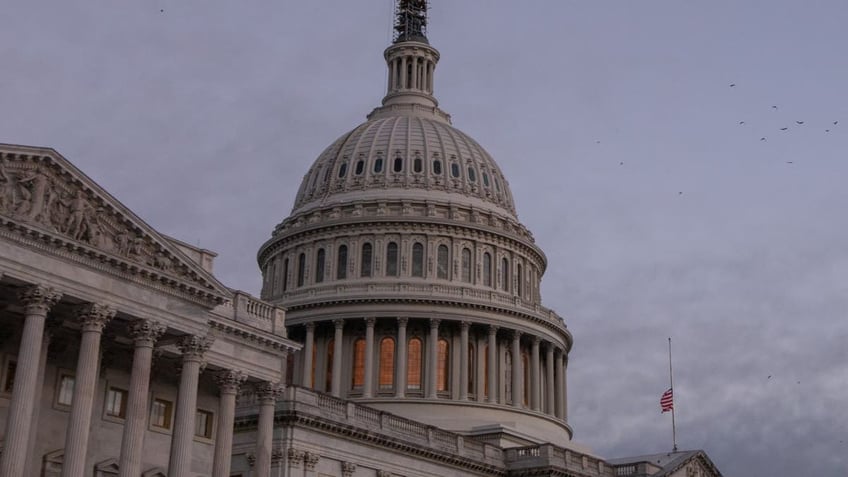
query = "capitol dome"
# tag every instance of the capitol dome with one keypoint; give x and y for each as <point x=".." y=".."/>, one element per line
<point x="408" y="278"/>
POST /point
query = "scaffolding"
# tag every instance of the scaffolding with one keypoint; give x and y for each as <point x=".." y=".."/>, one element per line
<point x="411" y="20"/>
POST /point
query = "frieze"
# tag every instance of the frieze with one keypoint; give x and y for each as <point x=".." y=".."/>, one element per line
<point x="37" y="191"/>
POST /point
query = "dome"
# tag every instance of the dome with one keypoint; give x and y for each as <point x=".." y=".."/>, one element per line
<point x="401" y="153"/>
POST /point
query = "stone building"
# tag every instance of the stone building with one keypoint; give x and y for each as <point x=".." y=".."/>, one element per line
<point x="400" y="329"/>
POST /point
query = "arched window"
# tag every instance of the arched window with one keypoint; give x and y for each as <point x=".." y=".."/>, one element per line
<point x="392" y="259"/>
<point x="341" y="263"/>
<point x="437" y="167"/>
<point x="360" y="167"/>
<point x="487" y="269"/>
<point x="378" y="165"/>
<point x="508" y="376"/>
<point x="319" y="265"/>
<point x="472" y="174"/>
<point x="398" y="166"/>
<point x="486" y="371"/>
<point x="328" y="383"/>
<point x="443" y="363"/>
<point x="285" y="274"/>
<point x="301" y="269"/>
<point x="466" y="265"/>
<point x="358" y="374"/>
<point x="442" y="262"/>
<point x="413" y="364"/>
<point x="417" y="260"/>
<point x="418" y="165"/>
<point x="505" y="274"/>
<point x="486" y="179"/>
<point x="454" y="170"/>
<point x="472" y="365"/>
<point x="387" y="363"/>
<point x="519" y="277"/>
<point x="525" y="365"/>
<point x="365" y="257"/>
<point x="343" y="170"/>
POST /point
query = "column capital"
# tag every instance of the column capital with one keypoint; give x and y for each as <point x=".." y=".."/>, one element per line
<point x="310" y="459"/>
<point x="465" y="325"/>
<point x="370" y="321"/>
<point x="536" y="340"/>
<point x="516" y="335"/>
<point x="269" y="392"/>
<point x="338" y="323"/>
<point x="94" y="316"/>
<point x="434" y="322"/>
<point x="310" y="326"/>
<point x="348" y="468"/>
<point x="403" y="321"/>
<point x="493" y="330"/>
<point x="38" y="299"/>
<point x="230" y="380"/>
<point x="145" y="332"/>
<point x="194" y="347"/>
<point x="295" y="457"/>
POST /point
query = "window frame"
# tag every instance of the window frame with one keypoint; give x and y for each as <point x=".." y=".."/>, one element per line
<point x="107" y="416"/>
<point x="151" y="424"/>
<point x="210" y="421"/>
<point x="57" y="392"/>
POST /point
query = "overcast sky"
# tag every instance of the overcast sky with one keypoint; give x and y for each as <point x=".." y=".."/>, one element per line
<point x="617" y="126"/>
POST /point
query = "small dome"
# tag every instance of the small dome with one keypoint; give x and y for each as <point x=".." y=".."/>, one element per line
<point x="406" y="153"/>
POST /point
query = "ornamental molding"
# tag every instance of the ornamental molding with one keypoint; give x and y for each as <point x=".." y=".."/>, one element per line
<point x="194" y="347"/>
<point x="254" y="337"/>
<point x="229" y="381"/>
<point x="145" y="332"/>
<point x="48" y="204"/>
<point x="38" y="299"/>
<point x="94" y="316"/>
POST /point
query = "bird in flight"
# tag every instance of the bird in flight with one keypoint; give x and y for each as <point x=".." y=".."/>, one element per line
<point x="827" y="130"/>
<point x="835" y="123"/>
<point x="783" y="129"/>
<point x="732" y="84"/>
<point x="799" y="122"/>
<point x="762" y="139"/>
<point x="774" y="107"/>
<point x="789" y="162"/>
<point x="741" y="122"/>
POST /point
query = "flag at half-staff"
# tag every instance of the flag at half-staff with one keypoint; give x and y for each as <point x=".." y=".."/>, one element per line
<point x="667" y="400"/>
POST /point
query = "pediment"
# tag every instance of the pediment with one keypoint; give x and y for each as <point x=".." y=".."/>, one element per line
<point x="45" y="197"/>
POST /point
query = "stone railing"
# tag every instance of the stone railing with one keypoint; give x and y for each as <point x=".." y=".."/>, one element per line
<point x="545" y="455"/>
<point x="252" y="311"/>
<point x="393" y="289"/>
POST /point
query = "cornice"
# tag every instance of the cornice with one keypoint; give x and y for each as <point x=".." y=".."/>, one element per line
<point x="255" y="337"/>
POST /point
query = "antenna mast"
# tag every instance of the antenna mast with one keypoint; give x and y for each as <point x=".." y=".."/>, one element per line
<point x="411" y="20"/>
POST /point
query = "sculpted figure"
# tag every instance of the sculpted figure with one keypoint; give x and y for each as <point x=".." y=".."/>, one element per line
<point x="5" y="186"/>
<point x="37" y="197"/>
<point x="77" y="224"/>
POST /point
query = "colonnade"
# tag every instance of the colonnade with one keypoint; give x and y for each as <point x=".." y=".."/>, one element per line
<point x="92" y="318"/>
<point x="544" y="360"/>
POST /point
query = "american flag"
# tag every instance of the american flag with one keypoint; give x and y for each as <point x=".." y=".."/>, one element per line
<point x="667" y="401"/>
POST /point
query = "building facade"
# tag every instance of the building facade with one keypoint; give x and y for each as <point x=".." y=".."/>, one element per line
<point x="400" y="329"/>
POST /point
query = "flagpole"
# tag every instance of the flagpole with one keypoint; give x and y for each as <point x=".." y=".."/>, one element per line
<point x="671" y="385"/>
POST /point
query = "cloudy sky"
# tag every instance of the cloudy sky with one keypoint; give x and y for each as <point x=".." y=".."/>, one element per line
<point x="662" y="214"/>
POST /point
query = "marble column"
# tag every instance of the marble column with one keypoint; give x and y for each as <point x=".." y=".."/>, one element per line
<point x="33" y="460"/>
<point x="493" y="363"/>
<point x="267" y="393"/>
<point x="403" y="73"/>
<point x="337" y="358"/>
<point x="37" y="302"/>
<point x="535" y="375"/>
<point x="463" y="360"/>
<point x="229" y="383"/>
<point x="193" y="349"/>
<point x="550" y="399"/>
<point x="144" y="334"/>
<point x="308" y="350"/>
<point x="434" y="357"/>
<point x="558" y="386"/>
<point x="517" y="368"/>
<point x="93" y="317"/>
<point x="563" y="402"/>
<point x="400" y="382"/>
<point x="369" y="357"/>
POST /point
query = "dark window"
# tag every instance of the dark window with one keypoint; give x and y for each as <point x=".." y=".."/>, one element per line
<point x="472" y="365"/>
<point x="319" y="265"/>
<point x="486" y="179"/>
<point x="520" y="278"/>
<point x="472" y="174"/>
<point x="392" y="259"/>
<point x="341" y="263"/>
<point x="342" y="170"/>
<point x="301" y="269"/>
<point x="417" y="260"/>
<point x="466" y="265"/>
<point x="417" y="165"/>
<point x="360" y="167"/>
<point x="442" y="262"/>
<point x="487" y="269"/>
<point x="285" y="274"/>
<point x="378" y="165"/>
<point x="454" y="169"/>
<point x="505" y="274"/>
<point x="437" y="167"/>
<point x="398" y="164"/>
<point x="365" y="266"/>
<point x="497" y="184"/>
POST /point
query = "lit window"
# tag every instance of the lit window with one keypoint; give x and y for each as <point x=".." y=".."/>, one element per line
<point x="365" y="266"/>
<point x="508" y="376"/>
<point x="341" y="263"/>
<point x="161" y="413"/>
<point x="442" y="265"/>
<point x="387" y="363"/>
<point x="358" y="363"/>
<point x="328" y="383"/>
<point x="65" y="395"/>
<point x="487" y="269"/>
<point x="392" y="259"/>
<point x="417" y="260"/>
<point x="466" y="265"/>
<point x="203" y="424"/>
<point x="116" y="402"/>
<point x="301" y="269"/>
<point x="443" y="369"/>
<point x="486" y="371"/>
<point x="319" y="265"/>
<point x="472" y="365"/>
<point x="413" y="364"/>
